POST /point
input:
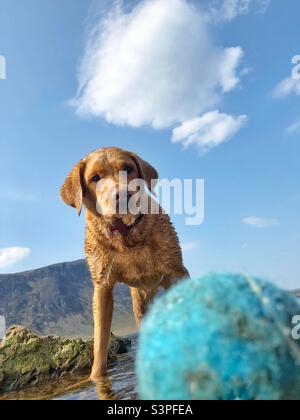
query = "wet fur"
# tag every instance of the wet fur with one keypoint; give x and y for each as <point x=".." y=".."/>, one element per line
<point x="148" y="258"/>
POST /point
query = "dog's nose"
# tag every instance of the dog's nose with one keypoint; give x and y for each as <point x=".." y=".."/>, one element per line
<point x="122" y="195"/>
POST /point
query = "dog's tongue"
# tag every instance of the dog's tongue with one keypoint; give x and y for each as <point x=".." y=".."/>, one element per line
<point x="119" y="227"/>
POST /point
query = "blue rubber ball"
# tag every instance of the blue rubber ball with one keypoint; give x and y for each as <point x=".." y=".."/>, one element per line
<point x="221" y="337"/>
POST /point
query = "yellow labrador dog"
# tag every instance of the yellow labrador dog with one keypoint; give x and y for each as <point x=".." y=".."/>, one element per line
<point x="140" y="250"/>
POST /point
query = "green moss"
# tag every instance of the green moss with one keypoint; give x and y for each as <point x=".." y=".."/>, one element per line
<point x="27" y="359"/>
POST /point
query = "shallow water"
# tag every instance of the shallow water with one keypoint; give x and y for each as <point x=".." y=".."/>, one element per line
<point x="120" y="385"/>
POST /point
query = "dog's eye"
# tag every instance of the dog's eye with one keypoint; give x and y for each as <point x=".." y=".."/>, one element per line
<point x="96" y="178"/>
<point x="128" y="169"/>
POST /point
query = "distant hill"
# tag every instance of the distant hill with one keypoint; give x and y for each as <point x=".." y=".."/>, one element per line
<point x="57" y="300"/>
<point x="297" y="293"/>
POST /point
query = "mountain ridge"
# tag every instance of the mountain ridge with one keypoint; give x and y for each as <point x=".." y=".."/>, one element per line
<point x="57" y="299"/>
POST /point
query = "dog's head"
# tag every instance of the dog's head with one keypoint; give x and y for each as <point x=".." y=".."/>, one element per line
<point x="105" y="181"/>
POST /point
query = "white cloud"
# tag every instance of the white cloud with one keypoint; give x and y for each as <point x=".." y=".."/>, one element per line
<point x="260" y="223"/>
<point x="227" y="10"/>
<point x="208" y="131"/>
<point x="189" y="246"/>
<point x="294" y="128"/>
<point x="10" y="256"/>
<point x="231" y="60"/>
<point x="287" y="87"/>
<point x="155" y="65"/>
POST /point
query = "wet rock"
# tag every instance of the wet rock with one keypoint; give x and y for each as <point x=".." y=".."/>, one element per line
<point x="27" y="359"/>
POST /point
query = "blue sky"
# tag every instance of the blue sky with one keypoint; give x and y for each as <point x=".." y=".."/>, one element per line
<point x="251" y="171"/>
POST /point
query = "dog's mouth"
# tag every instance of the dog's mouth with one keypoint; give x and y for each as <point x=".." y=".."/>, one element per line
<point x="118" y="226"/>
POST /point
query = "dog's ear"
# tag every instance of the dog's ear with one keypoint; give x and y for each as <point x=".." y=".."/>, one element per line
<point x="146" y="172"/>
<point x="71" y="192"/>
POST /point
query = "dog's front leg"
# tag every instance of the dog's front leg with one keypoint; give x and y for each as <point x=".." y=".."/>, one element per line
<point x="103" y="310"/>
<point x="140" y="301"/>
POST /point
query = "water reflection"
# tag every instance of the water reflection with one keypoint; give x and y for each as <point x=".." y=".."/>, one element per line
<point x="119" y="385"/>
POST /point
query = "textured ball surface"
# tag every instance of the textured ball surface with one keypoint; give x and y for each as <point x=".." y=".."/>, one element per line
<point x="222" y="337"/>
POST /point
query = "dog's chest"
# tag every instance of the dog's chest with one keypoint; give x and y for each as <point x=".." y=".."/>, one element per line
<point x="140" y="264"/>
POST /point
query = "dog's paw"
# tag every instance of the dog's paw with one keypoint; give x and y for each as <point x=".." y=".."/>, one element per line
<point x="99" y="374"/>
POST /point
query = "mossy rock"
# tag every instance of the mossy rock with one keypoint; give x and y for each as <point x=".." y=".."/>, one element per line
<point x="27" y="359"/>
